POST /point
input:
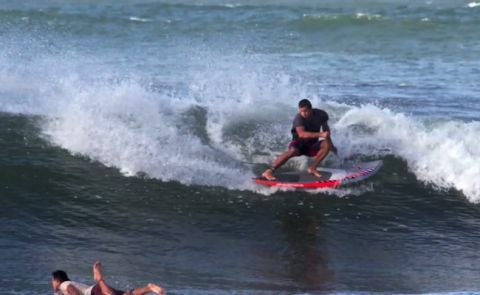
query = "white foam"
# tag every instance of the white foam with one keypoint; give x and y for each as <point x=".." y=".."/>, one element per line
<point x="139" y="19"/>
<point x="136" y="131"/>
<point x="368" y="16"/>
<point x="444" y="154"/>
<point x="232" y="5"/>
<point x="473" y="4"/>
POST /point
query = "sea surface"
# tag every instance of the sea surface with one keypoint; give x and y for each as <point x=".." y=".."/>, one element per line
<point x="130" y="132"/>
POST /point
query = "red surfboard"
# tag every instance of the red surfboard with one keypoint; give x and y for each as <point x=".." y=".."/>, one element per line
<point x="331" y="177"/>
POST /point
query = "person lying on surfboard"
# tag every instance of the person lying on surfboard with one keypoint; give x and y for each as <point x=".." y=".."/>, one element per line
<point x="310" y="137"/>
<point x="62" y="285"/>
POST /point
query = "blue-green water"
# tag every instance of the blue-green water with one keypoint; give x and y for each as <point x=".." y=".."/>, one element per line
<point x="128" y="130"/>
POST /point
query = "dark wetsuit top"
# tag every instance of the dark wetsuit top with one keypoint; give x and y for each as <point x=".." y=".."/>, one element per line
<point x="312" y="124"/>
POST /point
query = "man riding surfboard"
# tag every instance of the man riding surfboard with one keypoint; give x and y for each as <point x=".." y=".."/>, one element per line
<point x="310" y="137"/>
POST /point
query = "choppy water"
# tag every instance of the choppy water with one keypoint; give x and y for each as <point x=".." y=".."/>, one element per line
<point x="129" y="129"/>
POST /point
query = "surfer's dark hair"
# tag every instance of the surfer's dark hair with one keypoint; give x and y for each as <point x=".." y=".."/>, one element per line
<point x="304" y="103"/>
<point x="60" y="276"/>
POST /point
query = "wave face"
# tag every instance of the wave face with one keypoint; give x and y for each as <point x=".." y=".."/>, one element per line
<point x="204" y="124"/>
<point x="205" y="138"/>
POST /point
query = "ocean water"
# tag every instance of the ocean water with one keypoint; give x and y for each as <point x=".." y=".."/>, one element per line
<point x="130" y="132"/>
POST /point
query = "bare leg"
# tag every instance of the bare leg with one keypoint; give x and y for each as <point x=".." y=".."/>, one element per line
<point x="148" y="289"/>
<point x="292" y="152"/>
<point x="97" y="271"/>
<point x="325" y="147"/>
<point x="107" y="290"/>
<point x="98" y="277"/>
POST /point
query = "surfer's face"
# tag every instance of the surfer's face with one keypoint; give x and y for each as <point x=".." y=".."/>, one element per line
<point x="305" y="112"/>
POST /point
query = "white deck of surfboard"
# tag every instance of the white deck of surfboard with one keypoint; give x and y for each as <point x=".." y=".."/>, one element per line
<point x="349" y="173"/>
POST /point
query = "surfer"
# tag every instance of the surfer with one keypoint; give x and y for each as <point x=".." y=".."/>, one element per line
<point x="62" y="285"/>
<point x="310" y="137"/>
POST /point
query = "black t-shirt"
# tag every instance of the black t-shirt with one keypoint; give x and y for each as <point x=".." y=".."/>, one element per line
<point x="312" y="124"/>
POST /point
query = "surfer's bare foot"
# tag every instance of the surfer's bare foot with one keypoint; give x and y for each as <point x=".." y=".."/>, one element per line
<point x="314" y="172"/>
<point x="97" y="271"/>
<point x="156" y="289"/>
<point x="268" y="174"/>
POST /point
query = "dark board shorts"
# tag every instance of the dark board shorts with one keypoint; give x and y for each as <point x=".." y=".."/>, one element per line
<point x="97" y="291"/>
<point x="306" y="149"/>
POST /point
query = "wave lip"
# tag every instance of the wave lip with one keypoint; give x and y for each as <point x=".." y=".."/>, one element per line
<point x="127" y="127"/>
<point x="441" y="153"/>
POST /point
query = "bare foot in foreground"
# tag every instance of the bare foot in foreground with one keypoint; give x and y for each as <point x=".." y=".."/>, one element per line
<point x="97" y="271"/>
<point x="268" y="174"/>
<point x="156" y="289"/>
<point x="314" y="172"/>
